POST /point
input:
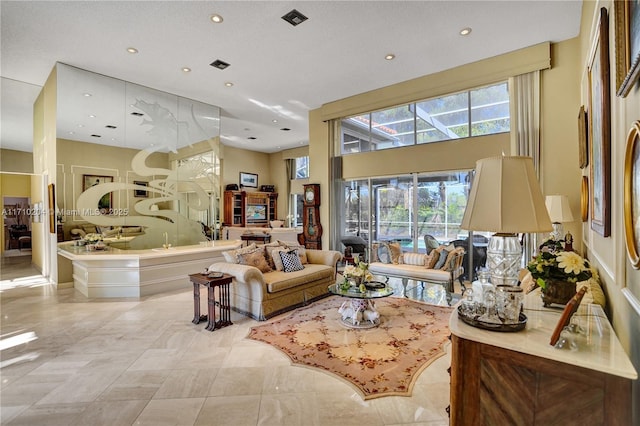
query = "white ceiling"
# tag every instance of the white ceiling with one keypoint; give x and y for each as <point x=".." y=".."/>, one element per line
<point x="279" y="72"/>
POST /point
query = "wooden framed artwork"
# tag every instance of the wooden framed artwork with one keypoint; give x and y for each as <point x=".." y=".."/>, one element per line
<point x="584" y="199"/>
<point x="249" y="179"/>
<point x="600" y="129"/>
<point x="106" y="201"/>
<point x="627" y="31"/>
<point x="583" y="156"/>
<point x="632" y="195"/>
<point x="52" y="208"/>
<point x="140" y="193"/>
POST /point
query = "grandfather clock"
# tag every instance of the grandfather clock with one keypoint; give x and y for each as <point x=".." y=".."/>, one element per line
<point x="312" y="230"/>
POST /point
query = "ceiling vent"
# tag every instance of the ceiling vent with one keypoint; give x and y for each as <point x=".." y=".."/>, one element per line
<point x="285" y="129"/>
<point x="96" y="136"/>
<point x="219" y="64"/>
<point x="252" y="138"/>
<point x="137" y="114"/>
<point x="109" y="126"/>
<point x="294" y="17"/>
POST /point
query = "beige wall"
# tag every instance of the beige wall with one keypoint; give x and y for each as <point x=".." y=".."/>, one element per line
<point x="277" y="165"/>
<point x="79" y="158"/>
<point x="609" y="254"/>
<point x="12" y="185"/>
<point x="16" y="161"/>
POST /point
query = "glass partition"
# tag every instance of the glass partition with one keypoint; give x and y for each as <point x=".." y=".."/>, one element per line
<point x="136" y="166"/>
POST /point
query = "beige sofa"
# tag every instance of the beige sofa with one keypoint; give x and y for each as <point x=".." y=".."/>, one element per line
<point x="442" y="266"/>
<point x="262" y="295"/>
<point x="80" y="230"/>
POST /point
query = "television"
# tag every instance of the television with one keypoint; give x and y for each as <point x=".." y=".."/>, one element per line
<point x="256" y="212"/>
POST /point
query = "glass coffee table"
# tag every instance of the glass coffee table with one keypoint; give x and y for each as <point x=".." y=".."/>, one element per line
<point x="360" y="310"/>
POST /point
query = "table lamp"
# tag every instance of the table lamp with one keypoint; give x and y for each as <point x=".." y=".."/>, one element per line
<point x="505" y="198"/>
<point x="559" y="212"/>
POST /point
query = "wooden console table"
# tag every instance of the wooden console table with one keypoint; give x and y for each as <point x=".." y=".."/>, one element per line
<point x="224" y="303"/>
<point x="518" y="378"/>
<point x="263" y="238"/>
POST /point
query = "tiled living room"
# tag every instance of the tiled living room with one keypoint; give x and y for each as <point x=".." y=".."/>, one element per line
<point x="384" y="110"/>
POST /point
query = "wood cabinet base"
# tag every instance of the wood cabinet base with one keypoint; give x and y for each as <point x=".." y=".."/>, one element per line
<point x="496" y="386"/>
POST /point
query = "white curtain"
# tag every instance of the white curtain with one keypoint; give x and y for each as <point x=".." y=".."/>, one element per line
<point x="525" y="90"/>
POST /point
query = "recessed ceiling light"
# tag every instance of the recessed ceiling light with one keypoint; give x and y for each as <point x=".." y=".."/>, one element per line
<point x="465" y="31"/>
<point x="80" y="125"/>
<point x="294" y="17"/>
<point x="186" y="69"/>
<point x="219" y="64"/>
<point x="132" y="50"/>
<point x="228" y="84"/>
<point x="274" y="120"/>
<point x="72" y="133"/>
<point x="216" y="18"/>
<point x="86" y="95"/>
<point x="92" y="116"/>
<point x="390" y="56"/>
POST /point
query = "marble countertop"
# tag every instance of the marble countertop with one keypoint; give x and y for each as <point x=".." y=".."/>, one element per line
<point x="70" y="251"/>
<point x="598" y="347"/>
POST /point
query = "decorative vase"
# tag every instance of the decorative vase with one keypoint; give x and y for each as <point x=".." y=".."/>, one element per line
<point x="558" y="291"/>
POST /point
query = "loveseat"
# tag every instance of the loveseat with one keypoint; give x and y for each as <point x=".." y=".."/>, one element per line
<point x="79" y="231"/>
<point x="265" y="284"/>
<point x="442" y="265"/>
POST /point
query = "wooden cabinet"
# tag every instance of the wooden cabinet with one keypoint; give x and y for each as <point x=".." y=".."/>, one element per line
<point x="243" y="208"/>
<point x="519" y="379"/>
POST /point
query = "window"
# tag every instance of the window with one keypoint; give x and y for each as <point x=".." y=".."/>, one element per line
<point x="302" y="168"/>
<point x="476" y="112"/>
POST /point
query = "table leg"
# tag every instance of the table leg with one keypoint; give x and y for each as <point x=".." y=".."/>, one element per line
<point x="211" y="325"/>
<point x="196" y="304"/>
<point x="225" y="307"/>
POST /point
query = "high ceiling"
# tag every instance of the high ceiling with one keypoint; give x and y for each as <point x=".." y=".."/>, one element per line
<point x="279" y="71"/>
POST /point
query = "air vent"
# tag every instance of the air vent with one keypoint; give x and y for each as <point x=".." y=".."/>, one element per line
<point x="109" y="126"/>
<point x="96" y="136"/>
<point x="219" y="64"/>
<point x="294" y="17"/>
<point x="137" y="114"/>
<point x="252" y="138"/>
<point x="285" y="129"/>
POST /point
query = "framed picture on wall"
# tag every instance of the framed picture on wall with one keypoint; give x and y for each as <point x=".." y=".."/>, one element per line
<point x="583" y="155"/>
<point x="600" y="129"/>
<point x="140" y="193"/>
<point x="106" y="201"/>
<point x="632" y="195"/>
<point x="627" y="31"/>
<point x="249" y="179"/>
<point x="52" y="208"/>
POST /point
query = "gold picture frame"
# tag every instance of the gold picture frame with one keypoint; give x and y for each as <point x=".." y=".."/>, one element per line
<point x="52" y="208"/>
<point x="627" y="33"/>
<point x="632" y="195"/>
<point x="600" y="129"/>
<point x="583" y="156"/>
<point x="584" y="199"/>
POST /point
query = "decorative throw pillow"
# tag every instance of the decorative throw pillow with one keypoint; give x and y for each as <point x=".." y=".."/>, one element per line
<point x="302" y="252"/>
<point x="594" y="292"/>
<point x="431" y="259"/>
<point x="417" y="259"/>
<point x="231" y="256"/>
<point x="374" y="252"/>
<point x="275" y="257"/>
<point x="396" y="252"/>
<point x="441" y="259"/>
<point x="451" y="254"/>
<point x="255" y="258"/>
<point x="383" y="253"/>
<point x="291" y="261"/>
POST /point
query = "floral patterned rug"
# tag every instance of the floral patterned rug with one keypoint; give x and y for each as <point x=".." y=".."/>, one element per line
<point x="380" y="361"/>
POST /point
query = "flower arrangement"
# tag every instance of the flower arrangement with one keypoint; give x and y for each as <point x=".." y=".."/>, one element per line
<point x="92" y="238"/>
<point x="359" y="272"/>
<point x="559" y="265"/>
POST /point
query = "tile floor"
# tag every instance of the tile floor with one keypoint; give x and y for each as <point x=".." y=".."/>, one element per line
<point x="69" y="360"/>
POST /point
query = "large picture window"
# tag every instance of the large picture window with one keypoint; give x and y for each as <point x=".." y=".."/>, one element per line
<point x="476" y="112"/>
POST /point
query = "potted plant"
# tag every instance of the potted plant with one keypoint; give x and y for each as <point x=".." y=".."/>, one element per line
<point x="557" y="272"/>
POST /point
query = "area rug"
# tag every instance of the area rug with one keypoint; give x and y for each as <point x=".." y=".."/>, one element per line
<point x="380" y="361"/>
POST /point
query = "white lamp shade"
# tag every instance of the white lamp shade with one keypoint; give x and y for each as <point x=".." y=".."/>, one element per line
<point x="558" y="208"/>
<point x="506" y="198"/>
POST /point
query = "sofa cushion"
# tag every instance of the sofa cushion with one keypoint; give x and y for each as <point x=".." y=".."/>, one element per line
<point x="432" y="258"/>
<point x="417" y="259"/>
<point x="231" y="256"/>
<point x="380" y="250"/>
<point x="255" y="258"/>
<point x="278" y="280"/>
<point x="291" y="261"/>
<point x="409" y="271"/>
<point x="451" y="254"/>
<point x="383" y="253"/>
